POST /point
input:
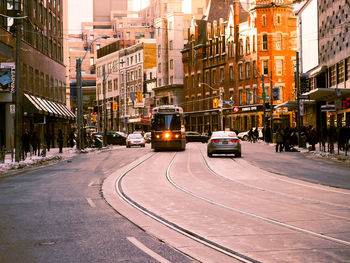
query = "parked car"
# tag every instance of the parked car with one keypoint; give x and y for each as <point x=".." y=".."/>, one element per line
<point x="196" y="137"/>
<point x="96" y="140"/>
<point x="244" y="135"/>
<point x="114" y="138"/>
<point x="148" y="137"/>
<point x="135" y="139"/>
<point x="224" y="142"/>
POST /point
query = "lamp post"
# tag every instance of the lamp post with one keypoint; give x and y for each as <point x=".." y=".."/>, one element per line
<point x="79" y="62"/>
<point x="221" y="105"/>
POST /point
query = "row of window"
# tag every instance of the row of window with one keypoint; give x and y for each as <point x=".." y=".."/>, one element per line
<point x="37" y="83"/>
<point x="339" y="72"/>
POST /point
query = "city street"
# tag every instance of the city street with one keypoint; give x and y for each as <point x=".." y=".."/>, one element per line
<point x="137" y="205"/>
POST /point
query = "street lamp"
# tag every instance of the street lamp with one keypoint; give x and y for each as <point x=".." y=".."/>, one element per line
<point x="79" y="62"/>
<point x="221" y="104"/>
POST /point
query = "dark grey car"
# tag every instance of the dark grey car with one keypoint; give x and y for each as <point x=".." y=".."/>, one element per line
<point x="224" y="142"/>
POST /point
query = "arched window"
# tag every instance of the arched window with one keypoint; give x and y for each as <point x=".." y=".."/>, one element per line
<point x="247" y="46"/>
<point x="241" y="47"/>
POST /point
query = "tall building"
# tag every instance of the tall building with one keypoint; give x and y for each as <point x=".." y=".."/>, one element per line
<point x="325" y="63"/>
<point x="42" y="79"/>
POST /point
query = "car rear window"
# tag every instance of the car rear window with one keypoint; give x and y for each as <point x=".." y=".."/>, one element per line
<point x="135" y="136"/>
<point x="224" y="134"/>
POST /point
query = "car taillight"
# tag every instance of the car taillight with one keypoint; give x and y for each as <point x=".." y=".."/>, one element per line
<point x="177" y="136"/>
<point x="215" y="140"/>
<point x="235" y="140"/>
<point x="157" y="136"/>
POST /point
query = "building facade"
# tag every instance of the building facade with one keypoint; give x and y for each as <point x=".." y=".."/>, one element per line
<point x="42" y="79"/>
<point x="325" y="62"/>
<point x="239" y="54"/>
<point x="126" y="77"/>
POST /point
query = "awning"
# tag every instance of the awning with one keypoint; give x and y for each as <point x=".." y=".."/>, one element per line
<point x="42" y="106"/>
<point x="292" y="105"/>
<point x="316" y="71"/>
<point x="328" y="94"/>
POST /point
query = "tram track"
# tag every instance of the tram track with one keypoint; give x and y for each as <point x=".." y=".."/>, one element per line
<point x="227" y="251"/>
<point x="280" y="193"/>
<point x="206" y="241"/>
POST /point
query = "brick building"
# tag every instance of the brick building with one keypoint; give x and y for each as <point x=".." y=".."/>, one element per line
<point x="228" y="52"/>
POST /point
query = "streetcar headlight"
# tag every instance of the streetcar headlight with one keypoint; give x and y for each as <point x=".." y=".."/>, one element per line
<point x="157" y="136"/>
<point x="177" y="136"/>
<point x="167" y="135"/>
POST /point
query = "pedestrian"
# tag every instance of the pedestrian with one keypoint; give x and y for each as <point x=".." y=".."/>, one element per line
<point x="256" y="135"/>
<point x="48" y="140"/>
<point x="71" y="139"/>
<point x="35" y="142"/>
<point x="279" y="140"/>
<point x="251" y="135"/>
<point x="25" y="143"/>
<point x="60" y="140"/>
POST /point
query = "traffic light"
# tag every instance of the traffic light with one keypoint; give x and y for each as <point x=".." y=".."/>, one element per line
<point x="276" y="93"/>
<point x="139" y="97"/>
<point x="215" y="103"/>
<point x="95" y="109"/>
<point x="304" y="84"/>
<point x="115" y="106"/>
<point x="267" y="105"/>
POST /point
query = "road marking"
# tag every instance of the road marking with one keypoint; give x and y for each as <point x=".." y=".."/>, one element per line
<point x="91" y="203"/>
<point x="147" y="250"/>
<point x="90" y="184"/>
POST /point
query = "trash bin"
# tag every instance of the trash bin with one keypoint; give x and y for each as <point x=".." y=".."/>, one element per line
<point x="98" y="141"/>
<point x="302" y="140"/>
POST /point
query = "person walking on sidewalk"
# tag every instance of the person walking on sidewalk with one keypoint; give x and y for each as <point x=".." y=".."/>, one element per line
<point x="60" y="140"/>
<point x="279" y="139"/>
<point x="48" y="140"/>
<point x="25" y="143"/>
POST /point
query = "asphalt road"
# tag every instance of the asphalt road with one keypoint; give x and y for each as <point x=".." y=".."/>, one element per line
<point x="56" y="214"/>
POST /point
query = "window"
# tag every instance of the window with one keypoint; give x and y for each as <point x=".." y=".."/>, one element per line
<point x="265" y="67"/>
<point x="159" y="50"/>
<point x="254" y="44"/>
<point x="214" y="76"/>
<point x="98" y="46"/>
<point x="231" y="73"/>
<point x="207" y="79"/>
<point x="170" y="25"/>
<point x="264" y="42"/>
<point x="186" y="82"/>
<point x="115" y="84"/>
<point x="340" y="72"/>
<point x="222" y="76"/>
<point x="158" y="31"/>
<point x="198" y="79"/>
<point x="278" y="41"/>
<point x="171" y="64"/>
<point x="279" y="67"/>
<point x="254" y="69"/>
<point x="241" y="47"/>
<point x="92" y="61"/>
<point x="159" y="82"/>
<point x="247" y="46"/>
<point x="110" y="86"/>
<point x="240" y="71"/>
<point x="240" y="96"/>
<point x="192" y="81"/>
<point x="171" y="80"/>
<point x="263" y="23"/>
<point x="127" y="35"/>
<point x="159" y="67"/>
<point x="170" y="45"/>
<point x="278" y="19"/>
<point x="247" y="70"/>
<point x="333" y="75"/>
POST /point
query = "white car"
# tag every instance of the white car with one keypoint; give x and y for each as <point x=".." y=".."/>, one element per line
<point x="135" y="139"/>
<point x="244" y="135"/>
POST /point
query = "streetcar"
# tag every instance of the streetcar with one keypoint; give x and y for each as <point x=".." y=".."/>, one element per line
<point x="167" y="128"/>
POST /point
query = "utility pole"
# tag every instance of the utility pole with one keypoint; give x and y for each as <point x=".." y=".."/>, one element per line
<point x="221" y="110"/>
<point x="98" y="109"/>
<point x="271" y="104"/>
<point x="18" y="129"/>
<point x="79" y="112"/>
<point x="264" y="108"/>
<point x="104" y="108"/>
<point x="298" y="97"/>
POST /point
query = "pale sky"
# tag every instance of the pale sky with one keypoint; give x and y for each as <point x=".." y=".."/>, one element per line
<point x="139" y="4"/>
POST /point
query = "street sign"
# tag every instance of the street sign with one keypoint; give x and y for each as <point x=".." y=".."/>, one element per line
<point x="263" y="96"/>
<point x="12" y="108"/>
<point x="235" y="109"/>
<point x="301" y="104"/>
<point x="325" y="108"/>
<point x="228" y="102"/>
<point x="303" y="97"/>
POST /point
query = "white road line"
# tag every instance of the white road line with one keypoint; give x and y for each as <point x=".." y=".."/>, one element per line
<point x="147" y="250"/>
<point x="90" y="184"/>
<point x="91" y="203"/>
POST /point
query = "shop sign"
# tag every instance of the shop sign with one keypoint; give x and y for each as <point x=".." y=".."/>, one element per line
<point x="282" y="109"/>
<point x="253" y="108"/>
<point x="346" y="103"/>
<point x="139" y="104"/>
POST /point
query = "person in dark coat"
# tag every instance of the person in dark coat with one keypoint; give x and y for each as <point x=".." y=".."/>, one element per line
<point x="60" y="140"/>
<point x="26" y="143"/>
<point x="35" y="142"/>
<point x="48" y="141"/>
<point x="279" y="139"/>
<point x="71" y="139"/>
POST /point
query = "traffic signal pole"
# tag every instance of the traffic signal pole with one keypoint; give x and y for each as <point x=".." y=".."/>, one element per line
<point x="18" y="124"/>
<point x="271" y="104"/>
<point x="298" y="96"/>
<point x="104" y="108"/>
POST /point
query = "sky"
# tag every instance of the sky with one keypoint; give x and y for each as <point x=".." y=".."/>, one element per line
<point x="139" y="4"/>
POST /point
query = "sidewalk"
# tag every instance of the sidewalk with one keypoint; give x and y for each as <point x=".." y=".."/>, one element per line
<point x="340" y="158"/>
<point x="36" y="160"/>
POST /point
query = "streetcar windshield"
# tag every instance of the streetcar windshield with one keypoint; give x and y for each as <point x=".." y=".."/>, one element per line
<point x="166" y="122"/>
